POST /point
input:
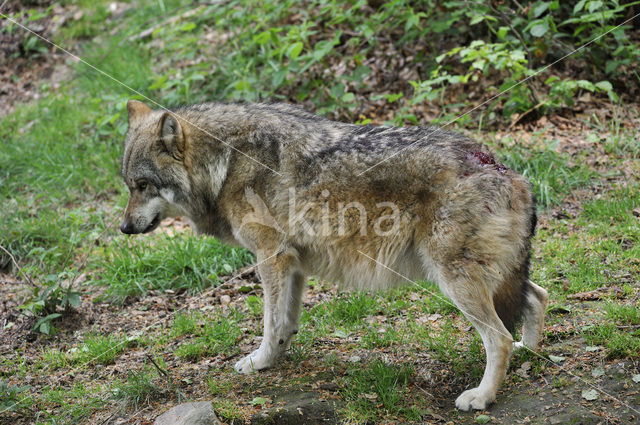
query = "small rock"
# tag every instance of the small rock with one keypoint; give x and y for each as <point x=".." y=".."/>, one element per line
<point x="328" y="386"/>
<point x="225" y="299"/>
<point x="196" y="413"/>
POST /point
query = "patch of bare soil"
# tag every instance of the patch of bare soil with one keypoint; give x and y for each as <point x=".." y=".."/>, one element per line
<point x="25" y="60"/>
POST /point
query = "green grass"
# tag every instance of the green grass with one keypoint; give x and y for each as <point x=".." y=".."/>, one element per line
<point x="552" y="175"/>
<point x="619" y="343"/>
<point x="347" y="311"/>
<point x="77" y="402"/>
<point x="386" y="336"/>
<point x="213" y="336"/>
<point x="218" y="387"/>
<point x="377" y="391"/>
<point x="615" y="207"/>
<point x="185" y="323"/>
<point x="139" y="388"/>
<point x="100" y="349"/>
<point x="133" y="266"/>
<point x="623" y="314"/>
<point x="14" y="397"/>
<point x="227" y="410"/>
<point x="53" y="358"/>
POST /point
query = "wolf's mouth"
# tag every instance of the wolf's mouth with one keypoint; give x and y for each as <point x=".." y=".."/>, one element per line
<point x="154" y="223"/>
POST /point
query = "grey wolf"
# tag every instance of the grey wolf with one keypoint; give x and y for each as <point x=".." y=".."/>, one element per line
<point x="297" y="190"/>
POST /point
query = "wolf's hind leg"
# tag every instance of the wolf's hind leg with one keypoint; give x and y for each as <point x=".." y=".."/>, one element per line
<point x="535" y="307"/>
<point x="475" y="303"/>
<point x="293" y="308"/>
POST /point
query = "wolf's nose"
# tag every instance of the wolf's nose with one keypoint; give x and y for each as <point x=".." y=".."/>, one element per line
<point x="127" y="227"/>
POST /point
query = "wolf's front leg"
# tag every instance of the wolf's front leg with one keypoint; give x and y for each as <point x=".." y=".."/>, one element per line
<point x="282" y="286"/>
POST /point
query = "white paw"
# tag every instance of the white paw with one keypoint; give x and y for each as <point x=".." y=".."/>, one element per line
<point x="474" y="399"/>
<point x="518" y="344"/>
<point x="253" y="362"/>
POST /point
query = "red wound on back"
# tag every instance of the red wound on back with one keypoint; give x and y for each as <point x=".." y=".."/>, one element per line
<point x="486" y="159"/>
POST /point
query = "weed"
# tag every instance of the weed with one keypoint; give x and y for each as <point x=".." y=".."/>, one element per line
<point x="219" y="387"/>
<point x="380" y="385"/>
<point x="218" y="335"/>
<point x="100" y="349"/>
<point x="255" y="305"/>
<point x="139" y="388"/>
<point x="227" y="409"/>
<point x="185" y="323"/>
<point x="619" y="343"/>
<point x="11" y="396"/>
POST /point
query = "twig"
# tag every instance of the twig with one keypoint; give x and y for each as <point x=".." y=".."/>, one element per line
<point x="108" y="418"/>
<point x="162" y="371"/>
<point x="519" y="117"/>
<point x="13" y="259"/>
<point x="226" y="359"/>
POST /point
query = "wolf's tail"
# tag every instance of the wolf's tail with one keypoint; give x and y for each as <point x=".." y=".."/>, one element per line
<point x="516" y="300"/>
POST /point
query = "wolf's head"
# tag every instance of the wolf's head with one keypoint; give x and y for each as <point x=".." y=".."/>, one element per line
<point x="153" y="168"/>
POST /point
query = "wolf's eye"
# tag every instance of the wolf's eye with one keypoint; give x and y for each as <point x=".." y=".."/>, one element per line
<point x="142" y="186"/>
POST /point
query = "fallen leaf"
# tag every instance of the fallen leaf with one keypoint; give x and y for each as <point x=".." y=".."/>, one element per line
<point x="524" y="369"/>
<point x="556" y="359"/>
<point x="258" y="401"/>
<point x="589" y="394"/>
<point x="434" y="317"/>
<point x="482" y="419"/>
<point x="559" y="309"/>
<point x="340" y="333"/>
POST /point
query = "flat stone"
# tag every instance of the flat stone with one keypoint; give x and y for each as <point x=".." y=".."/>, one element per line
<point x="300" y="408"/>
<point x="196" y="413"/>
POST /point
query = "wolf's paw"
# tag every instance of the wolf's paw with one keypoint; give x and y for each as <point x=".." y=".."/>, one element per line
<point x="474" y="399"/>
<point x="252" y="363"/>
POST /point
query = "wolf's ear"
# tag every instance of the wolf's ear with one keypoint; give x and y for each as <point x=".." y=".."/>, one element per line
<point x="137" y="110"/>
<point x="172" y="136"/>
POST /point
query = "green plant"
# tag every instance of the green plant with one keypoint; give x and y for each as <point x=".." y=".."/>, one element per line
<point x="44" y="301"/>
<point x="219" y="387"/>
<point x="255" y="305"/>
<point x="11" y="396"/>
<point x="134" y="266"/>
<point x="218" y="335"/>
<point x="619" y="343"/>
<point x="100" y="349"/>
<point x="184" y="324"/>
<point x="382" y="385"/>
<point x="139" y="388"/>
